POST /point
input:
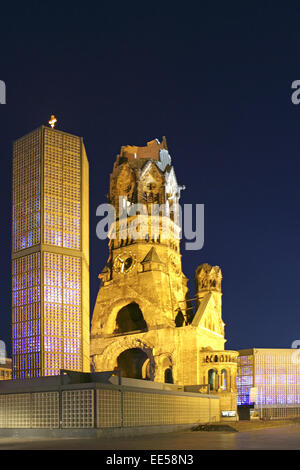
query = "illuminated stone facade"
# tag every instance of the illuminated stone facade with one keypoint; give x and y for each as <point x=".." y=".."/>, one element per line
<point x="50" y="254"/>
<point x="143" y="321"/>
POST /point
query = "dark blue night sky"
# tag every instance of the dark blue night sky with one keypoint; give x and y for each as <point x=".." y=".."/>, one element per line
<point x="215" y="79"/>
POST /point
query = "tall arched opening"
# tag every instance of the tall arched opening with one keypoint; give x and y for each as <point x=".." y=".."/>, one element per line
<point x="169" y="376"/>
<point x="130" y="318"/>
<point x="224" y="379"/>
<point x="134" y="363"/>
<point x="212" y="379"/>
<point x="179" y="319"/>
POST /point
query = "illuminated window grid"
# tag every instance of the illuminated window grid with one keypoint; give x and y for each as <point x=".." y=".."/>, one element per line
<point x="2" y="411"/>
<point x="109" y="411"/>
<point x="29" y="410"/>
<point x="142" y="409"/>
<point x="279" y="412"/>
<point x="26" y="192"/>
<point x="72" y="312"/>
<point x="18" y="410"/>
<point x="26" y="315"/>
<point x="41" y="409"/>
<point x="78" y="409"/>
<point x="277" y="378"/>
<point x="244" y="379"/>
<point x="62" y="190"/>
<point x="45" y="410"/>
<point x="26" y="365"/>
<point x="62" y="313"/>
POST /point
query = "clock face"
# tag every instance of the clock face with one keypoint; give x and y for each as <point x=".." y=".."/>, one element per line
<point x="124" y="262"/>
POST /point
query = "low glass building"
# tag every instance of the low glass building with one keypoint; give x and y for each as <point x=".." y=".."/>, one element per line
<point x="92" y="403"/>
<point x="269" y="380"/>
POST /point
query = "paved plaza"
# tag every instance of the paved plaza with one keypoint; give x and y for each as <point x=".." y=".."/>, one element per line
<point x="274" y="438"/>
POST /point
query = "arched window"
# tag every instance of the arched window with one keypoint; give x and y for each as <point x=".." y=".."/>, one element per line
<point x="212" y="379"/>
<point x="224" y="379"/>
<point x="134" y="363"/>
<point x="169" y="376"/>
<point x="179" y="319"/>
<point x="130" y="318"/>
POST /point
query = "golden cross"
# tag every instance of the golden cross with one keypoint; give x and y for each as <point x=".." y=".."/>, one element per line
<point x="52" y="121"/>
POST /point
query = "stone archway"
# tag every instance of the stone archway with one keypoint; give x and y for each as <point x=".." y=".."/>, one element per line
<point x="108" y="359"/>
<point x="133" y="364"/>
<point x="113" y="308"/>
<point x="130" y="318"/>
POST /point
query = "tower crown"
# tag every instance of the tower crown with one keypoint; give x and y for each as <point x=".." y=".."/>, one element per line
<point x="208" y="278"/>
<point x="144" y="175"/>
<point x="150" y="151"/>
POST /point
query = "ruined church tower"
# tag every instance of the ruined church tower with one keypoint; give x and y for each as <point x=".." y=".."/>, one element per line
<point x="143" y="322"/>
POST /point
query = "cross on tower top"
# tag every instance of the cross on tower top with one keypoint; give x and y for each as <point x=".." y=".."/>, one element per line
<point x="52" y="121"/>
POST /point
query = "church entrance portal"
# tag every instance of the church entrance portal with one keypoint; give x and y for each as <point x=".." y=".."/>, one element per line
<point x="134" y="363"/>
